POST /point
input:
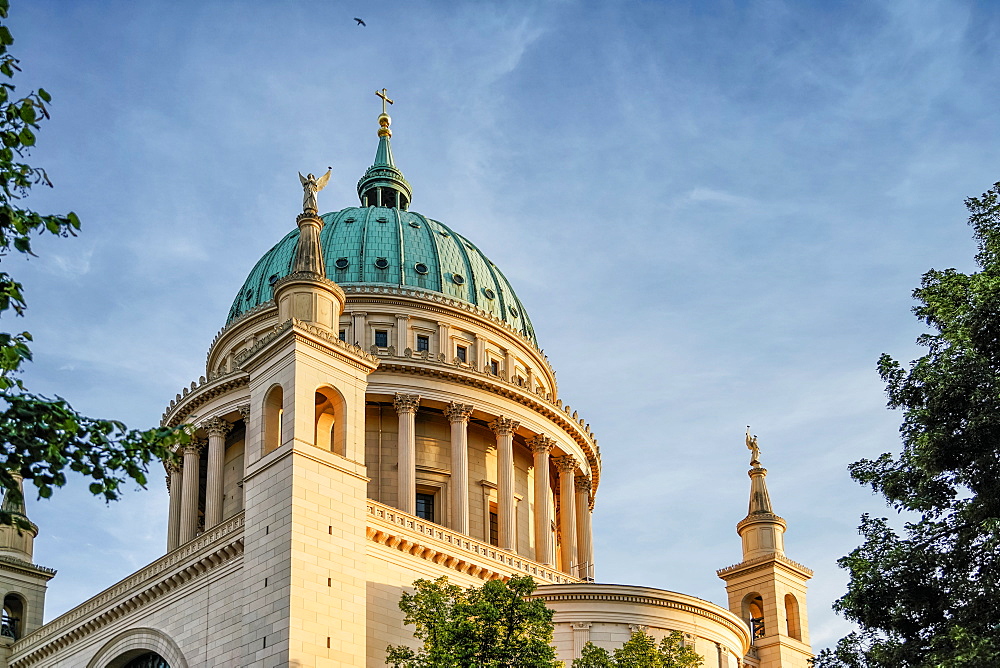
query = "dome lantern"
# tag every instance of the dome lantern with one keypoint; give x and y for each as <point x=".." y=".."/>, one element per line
<point x="383" y="185"/>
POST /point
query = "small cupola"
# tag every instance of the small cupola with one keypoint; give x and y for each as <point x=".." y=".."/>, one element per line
<point x="383" y="184"/>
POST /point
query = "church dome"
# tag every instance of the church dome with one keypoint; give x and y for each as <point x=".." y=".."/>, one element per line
<point x="391" y="247"/>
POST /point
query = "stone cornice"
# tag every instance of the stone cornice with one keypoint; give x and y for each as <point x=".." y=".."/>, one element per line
<point x="8" y="563"/>
<point x="201" y="392"/>
<point x="576" y="428"/>
<point x="763" y="563"/>
<point x="433" y="542"/>
<point x="325" y="339"/>
<point x="209" y="551"/>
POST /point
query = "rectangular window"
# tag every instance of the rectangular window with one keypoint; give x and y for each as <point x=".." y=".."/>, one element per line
<point x="461" y="352"/>
<point x="382" y="338"/>
<point x="343" y="335"/>
<point x="425" y="506"/>
<point x="494" y="367"/>
<point x="423" y="343"/>
<point x="494" y="526"/>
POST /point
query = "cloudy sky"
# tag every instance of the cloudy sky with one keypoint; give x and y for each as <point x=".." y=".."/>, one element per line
<point x="714" y="212"/>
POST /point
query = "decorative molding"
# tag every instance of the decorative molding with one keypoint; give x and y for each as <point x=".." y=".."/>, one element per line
<point x="198" y="394"/>
<point x="456" y="412"/>
<point x="406" y="403"/>
<point x="216" y="426"/>
<point x="565" y="464"/>
<point x="762" y="563"/>
<point x="194" y="447"/>
<point x="244" y="410"/>
<point x="504" y="426"/>
<point x="8" y="563"/>
<point x="208" y="551"/>
<point x="541" y="444"/>
<point x="582" y="483"/>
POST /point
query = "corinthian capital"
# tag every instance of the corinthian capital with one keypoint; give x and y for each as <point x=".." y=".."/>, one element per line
<point x="566" y="463"/>
<point x="216" y="426"/>
<point x="541" y="444"/>
<point x="406" y="403"/>
<point x="194" y="447"/>
<point x="458" y="412"/>
<point x="582" y="483"/>
<point x="244" y="410"/>
<point x="503" y="426"/>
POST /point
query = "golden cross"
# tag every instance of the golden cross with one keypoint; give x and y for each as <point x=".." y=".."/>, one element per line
<point x="381" y="94"/>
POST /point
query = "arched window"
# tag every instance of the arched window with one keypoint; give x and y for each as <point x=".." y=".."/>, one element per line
<point x="147" y="660"/>
<point x="12" y="616"/>
<point x="792" y="617"/>
<point x="330" y="433"/>
<point x="273" y="413"/>
<point x="753" y="613"/>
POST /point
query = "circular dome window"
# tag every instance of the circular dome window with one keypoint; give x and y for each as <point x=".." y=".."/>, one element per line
<point x="342" y="263"/>
<point x="489" y="293"/>
<point x="381" y="263"/>
<point x="420" y="268"/>
<point x="273" y="279"/>
<point x="458" y="279"/>
<point x="514" y="312"/>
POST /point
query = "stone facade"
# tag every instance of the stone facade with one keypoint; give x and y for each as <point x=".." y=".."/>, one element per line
<point x="350" y="440"/>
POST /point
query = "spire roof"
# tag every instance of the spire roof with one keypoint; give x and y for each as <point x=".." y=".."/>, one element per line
<point x="383" y="184"/>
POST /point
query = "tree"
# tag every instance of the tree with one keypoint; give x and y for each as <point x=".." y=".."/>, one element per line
<point x="928" y="595"/>
<point x="40" y="437"/>
<point x="493" y="626"/>
<point x="641" y="650"/>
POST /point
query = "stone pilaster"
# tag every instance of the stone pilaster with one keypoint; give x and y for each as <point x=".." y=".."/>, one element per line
<point x="458" y="416"/>
<point x="359" y="328"/>
<point x="584" y="539"/>
<point x="174" y="486"/>
<point x="541" y="446"/>
<point x="406" y="407"/>
<point x="217" y="430"/>
<point x="504" y="428"/>
<point x="401" y="331"/>
<point x="189" y="491"/>
<point x="567" y="511"/>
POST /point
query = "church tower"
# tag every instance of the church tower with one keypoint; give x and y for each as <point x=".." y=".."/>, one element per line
<point x="22" y="583"/>
<point x="767" y="589"/>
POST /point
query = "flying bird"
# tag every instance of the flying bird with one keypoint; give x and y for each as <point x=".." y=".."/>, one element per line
<point x="360" y="22"/>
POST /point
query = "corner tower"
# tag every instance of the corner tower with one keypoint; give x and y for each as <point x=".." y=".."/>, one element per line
<point x="767" y="589"/>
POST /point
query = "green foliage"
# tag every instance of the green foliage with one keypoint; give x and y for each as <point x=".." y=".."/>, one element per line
<point x="927" y="596"/>
<point x="641" y="651"/>
<point x="41" y="437"/>
<point x="493" y="626"/>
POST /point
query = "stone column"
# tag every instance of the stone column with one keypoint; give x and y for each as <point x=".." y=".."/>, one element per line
<point x="508" y="366"/>
<point x="244" y="410"/>
<point x="189" y="492"/>
<point x="541" y="446"/>
<point x="406" y="408"/>
<point x="504" y="428"/>
<point x="174" y="486"/>
<point x="217" y="430"/>
<point x="359" y="325"/>
<point x="567" y="508"/>
<point x="584" y="540"/>
<point x="458" y="415"/>
<point x="444" y="340"/>
<point x="401" y="332"/>
<point x="480" y="353"/>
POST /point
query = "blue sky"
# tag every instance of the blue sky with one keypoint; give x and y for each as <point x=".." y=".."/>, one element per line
<point x="714" y="212"/>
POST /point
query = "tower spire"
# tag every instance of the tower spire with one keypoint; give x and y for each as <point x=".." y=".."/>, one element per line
<point x="383" y="184"/>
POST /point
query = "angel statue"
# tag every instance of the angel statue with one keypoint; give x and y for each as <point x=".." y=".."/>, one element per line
<point x="310" y="186"/>
<point x="753" y="448"/>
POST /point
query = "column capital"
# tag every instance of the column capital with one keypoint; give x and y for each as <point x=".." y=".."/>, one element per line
<point x="244" y="410"/>
<point x="541" y="444"/>
<point x="582" y="483"/>
<point x="358" y="314"/>
<point x="194" y="447"/>
<point x="566" y="463"/>
<point x="168" y="484"/>
<point x="216" y="426"/>
<point x="406" y="403"/>
<point x="504" y="425"/>
<point x="402" y="316"/>
<point x="458" y="412"/>
<point x="172" y="467"/>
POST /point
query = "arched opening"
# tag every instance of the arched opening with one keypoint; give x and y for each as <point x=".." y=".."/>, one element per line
<point x="792" y="617"/>
<point x="147" y="660"/>
<point x="12" y="616"/>
<point x="753" y="613"/>
<point x="273" y="413"/>
<point x="330" y="429"/>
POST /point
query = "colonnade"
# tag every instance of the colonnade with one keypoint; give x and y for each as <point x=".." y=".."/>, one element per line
<point x="574" y="490"/>
<point x="184" y="482"/>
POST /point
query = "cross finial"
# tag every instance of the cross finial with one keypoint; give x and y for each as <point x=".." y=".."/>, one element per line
<point x="385" y="98"/>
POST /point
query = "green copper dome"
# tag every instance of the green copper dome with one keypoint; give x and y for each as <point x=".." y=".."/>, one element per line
<point x="389" y="247"/>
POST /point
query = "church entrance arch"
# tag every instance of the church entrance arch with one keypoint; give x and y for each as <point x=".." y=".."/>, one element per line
<point x="147" y="660"/>
<point x="139" y="648"/>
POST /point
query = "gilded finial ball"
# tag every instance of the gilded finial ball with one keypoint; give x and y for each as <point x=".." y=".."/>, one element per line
<point x="384" y="120"/>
